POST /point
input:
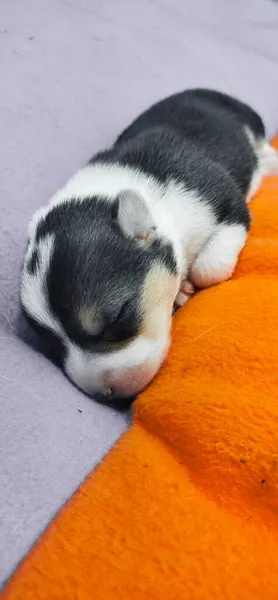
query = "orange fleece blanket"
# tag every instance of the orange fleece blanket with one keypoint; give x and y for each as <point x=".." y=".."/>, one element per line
<point x="185" y="507"/>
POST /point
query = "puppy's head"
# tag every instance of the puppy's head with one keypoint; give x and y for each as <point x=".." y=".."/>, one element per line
<point x="100" y="282"/>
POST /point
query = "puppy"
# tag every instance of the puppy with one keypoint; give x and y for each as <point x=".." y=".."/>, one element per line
<point x="133" y="232"/>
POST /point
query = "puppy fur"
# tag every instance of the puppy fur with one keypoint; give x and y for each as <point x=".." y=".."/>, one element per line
<point x="114" y="249"/>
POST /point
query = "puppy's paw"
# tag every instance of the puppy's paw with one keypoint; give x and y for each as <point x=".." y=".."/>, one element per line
<point x="184" y="294"/>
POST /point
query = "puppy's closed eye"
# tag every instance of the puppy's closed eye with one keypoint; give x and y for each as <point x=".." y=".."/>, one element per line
<point x="113" y="330"/>
<point x="122" y="327"/>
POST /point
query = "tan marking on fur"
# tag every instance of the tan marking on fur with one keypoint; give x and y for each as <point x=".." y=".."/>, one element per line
<point x="90" y="320"/>
<point x="159" y="293"/>
<point x="93" y="324"/>
<point x="260" y="144"/>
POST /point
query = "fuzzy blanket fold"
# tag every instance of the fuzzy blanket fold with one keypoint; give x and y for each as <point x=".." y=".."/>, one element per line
<point x="185" y="505"/>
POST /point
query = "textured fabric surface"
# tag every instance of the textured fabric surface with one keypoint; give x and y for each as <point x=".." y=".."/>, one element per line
<point x="73" y="73"/>
<point x="185" y="505"/>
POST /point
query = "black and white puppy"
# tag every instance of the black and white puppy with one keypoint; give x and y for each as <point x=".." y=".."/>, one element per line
<point x="163" y="210"/>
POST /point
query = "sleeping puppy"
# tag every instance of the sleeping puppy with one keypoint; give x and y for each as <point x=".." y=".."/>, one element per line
<point x="136" y="230"/>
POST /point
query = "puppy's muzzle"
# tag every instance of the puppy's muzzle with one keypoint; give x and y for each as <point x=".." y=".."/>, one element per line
<point x="105" y="379"/>
<point x="131" y="381"/>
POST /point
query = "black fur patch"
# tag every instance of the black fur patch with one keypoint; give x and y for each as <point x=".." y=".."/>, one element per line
<point x="199" y="113"/>
<point x="51" y="345"/>
<point x="94" y="265"/>
<point x="33" y="263"/>
<point x="196" y="138"/>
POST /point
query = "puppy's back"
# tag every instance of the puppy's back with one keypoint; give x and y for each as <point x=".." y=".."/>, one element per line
<point x="197" y="114"/>
<point x="217" y="124"/>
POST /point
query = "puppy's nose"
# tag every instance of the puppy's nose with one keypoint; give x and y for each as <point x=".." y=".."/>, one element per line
<point x="121" y="403"/>
<point x="105" y="396"/>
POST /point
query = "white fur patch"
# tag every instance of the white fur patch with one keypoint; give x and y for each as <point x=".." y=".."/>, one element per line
<point x="33" y="290"/>
<point x="267" y="162"/>
<point x="180" y="215"/>
<point x="268" y="158"/>
<point x="267" y="165"/>
<point x="129" y="369"/>
<point x="219" y="256"/>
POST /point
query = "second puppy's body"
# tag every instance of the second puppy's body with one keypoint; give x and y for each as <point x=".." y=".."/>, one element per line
<point x="166" y="203"/>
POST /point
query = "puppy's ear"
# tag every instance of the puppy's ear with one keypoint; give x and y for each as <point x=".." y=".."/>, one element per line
<point x="133" y="216"/>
